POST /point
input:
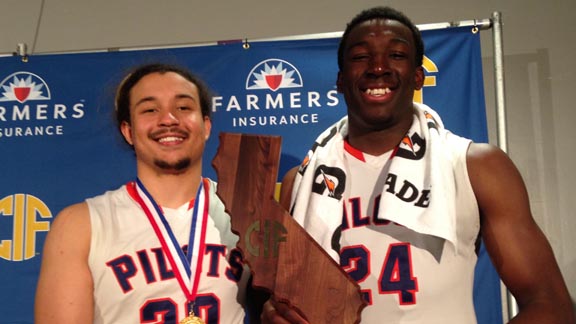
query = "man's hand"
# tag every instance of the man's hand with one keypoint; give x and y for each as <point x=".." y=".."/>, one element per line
<point x="275" y="312"/>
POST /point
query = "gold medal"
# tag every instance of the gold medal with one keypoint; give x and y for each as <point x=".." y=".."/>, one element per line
<point x="192" y="319"/>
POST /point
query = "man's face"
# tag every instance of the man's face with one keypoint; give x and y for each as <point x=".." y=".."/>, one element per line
<point x="379" y="74"/>
<point x="167" y="128"/>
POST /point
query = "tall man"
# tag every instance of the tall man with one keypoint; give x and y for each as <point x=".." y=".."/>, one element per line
<point x="159" y="248"/>
<point x="401" y="202"/>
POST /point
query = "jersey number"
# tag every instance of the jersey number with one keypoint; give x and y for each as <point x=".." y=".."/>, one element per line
<point x="396" y="275"/>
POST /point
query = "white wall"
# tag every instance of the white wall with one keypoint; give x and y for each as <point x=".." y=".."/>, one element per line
<point x="539" y="47"/>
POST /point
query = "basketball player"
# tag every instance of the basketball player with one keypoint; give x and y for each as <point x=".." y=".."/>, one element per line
<point x="158" y="249"/>
<point x="400" y="202"/>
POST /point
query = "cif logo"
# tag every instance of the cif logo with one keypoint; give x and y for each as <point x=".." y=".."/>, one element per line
<point x="25" y="211"/>
<point x="273" y="74"/>
<point x="22" y="87"/>
<point x="271" y="234"/>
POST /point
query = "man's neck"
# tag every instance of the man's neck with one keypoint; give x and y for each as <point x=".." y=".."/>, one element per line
<point x="376" y="142"/>
<point x="171" y="190"/>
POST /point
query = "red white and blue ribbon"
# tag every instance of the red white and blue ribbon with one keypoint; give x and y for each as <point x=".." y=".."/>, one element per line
<point x="187" y="268"/>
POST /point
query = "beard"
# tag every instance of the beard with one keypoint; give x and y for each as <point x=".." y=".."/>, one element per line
<point x="175" y="167"/>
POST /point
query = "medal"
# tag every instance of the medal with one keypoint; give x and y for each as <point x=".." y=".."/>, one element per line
<point x="192" y="319"/>
<point x="186" y="268"/>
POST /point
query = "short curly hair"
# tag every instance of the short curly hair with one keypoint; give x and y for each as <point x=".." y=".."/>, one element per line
<point x="382" y="13"/>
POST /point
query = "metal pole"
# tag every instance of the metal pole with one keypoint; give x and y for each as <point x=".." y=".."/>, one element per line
<point x="509" y="305"/>
<point x="499" y="81"/>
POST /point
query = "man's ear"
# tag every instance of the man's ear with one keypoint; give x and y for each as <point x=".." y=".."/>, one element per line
<point x="339" y="82"/>
<point x="419" y="78"/>
<point x="126" y="131"/>
<point x="207" y="127"/>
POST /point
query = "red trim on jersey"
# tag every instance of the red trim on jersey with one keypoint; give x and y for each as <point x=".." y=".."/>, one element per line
<point x="359" y="154"/>
<point x="394" y="152"/>
<point x="131" y="188"/>
<point x="353" y="151"/>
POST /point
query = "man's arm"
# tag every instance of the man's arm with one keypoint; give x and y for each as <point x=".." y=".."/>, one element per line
<point x="518" y="248"/>
<point x="65" y="288"/>
<point x="286" y="187"/>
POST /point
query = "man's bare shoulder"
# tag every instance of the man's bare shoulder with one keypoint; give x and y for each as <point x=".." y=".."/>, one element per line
<point x="75" y="217"/>
<point x="494" y="176"/>
<point x="488" y="160"/>
<point x="481" y="151"/>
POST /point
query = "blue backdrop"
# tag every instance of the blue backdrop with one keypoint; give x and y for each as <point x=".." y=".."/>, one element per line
<point x="59" y="144"/>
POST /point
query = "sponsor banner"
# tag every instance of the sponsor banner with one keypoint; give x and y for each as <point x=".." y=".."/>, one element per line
<point x="60" y="143"/>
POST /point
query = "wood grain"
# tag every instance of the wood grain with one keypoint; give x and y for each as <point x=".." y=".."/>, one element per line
<point x="283" y="258"/>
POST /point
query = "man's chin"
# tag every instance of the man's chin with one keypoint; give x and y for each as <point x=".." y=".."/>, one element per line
<point x="173" y="167"/>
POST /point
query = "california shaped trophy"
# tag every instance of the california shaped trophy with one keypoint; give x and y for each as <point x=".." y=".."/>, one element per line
<point x="284" y="259"/>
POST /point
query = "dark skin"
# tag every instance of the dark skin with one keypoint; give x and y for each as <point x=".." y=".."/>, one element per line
<point x="378" y="80"/>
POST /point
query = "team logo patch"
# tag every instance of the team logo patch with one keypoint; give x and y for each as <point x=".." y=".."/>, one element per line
<point x="22" y="87"/>
<point x="329" y="181"/>
<point x="412" y="147"/>
<point x="273" y="74"/>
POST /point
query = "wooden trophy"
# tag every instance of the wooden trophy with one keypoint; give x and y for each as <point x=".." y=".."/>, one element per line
<point x="284" y="259"/>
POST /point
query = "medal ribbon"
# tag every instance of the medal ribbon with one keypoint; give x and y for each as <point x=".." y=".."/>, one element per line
<point x="186" y="268"/>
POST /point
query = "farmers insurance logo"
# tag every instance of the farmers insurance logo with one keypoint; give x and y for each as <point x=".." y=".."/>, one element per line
<point x="25" y="98"/>
<point x="26" y="212"/>
<point x="24" y="86"/>
<point x="275" y="96"/>
<point x="273" y="74"/>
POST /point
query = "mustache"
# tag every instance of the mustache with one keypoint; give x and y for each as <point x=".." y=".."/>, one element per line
<point x="168" y="130"/>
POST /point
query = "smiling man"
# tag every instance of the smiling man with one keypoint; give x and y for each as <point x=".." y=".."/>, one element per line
<point x="158" y="249"/>
<point x="409" y="200"/>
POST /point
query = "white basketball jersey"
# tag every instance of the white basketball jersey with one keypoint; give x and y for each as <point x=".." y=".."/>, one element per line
<point x="133" y="279"/>
<point x="407" y="277"/>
